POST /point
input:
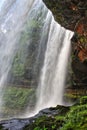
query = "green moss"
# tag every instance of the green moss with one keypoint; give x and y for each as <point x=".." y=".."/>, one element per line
<point x="73" y="119"/>
<point x="76" y="118"/>
<point x="83" y="100"/>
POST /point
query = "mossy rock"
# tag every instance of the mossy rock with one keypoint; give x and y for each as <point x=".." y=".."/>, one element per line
<point x="74" y="118"/>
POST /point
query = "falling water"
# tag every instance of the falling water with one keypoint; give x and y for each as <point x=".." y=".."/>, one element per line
<point x="31" y="20"/>
<point x="11" y="24"/>
<point x="53" y="75"/>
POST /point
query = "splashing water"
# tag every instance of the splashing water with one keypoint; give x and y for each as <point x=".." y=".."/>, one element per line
<point x="42" y="38"/>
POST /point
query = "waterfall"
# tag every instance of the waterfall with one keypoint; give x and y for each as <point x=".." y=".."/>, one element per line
<point x="31" y="21"/>
<point x="54" y="70"/>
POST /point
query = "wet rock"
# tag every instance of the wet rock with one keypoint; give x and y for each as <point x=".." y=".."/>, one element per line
<point x="20" y="124"/>
<point x="14" y="124"/>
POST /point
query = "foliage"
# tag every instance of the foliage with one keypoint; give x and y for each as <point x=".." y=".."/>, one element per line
<point x="16" y="99"/>
<point x="18" y="67"/>
<point x="83" y="100"/>
<point x="29" y="37"/>
<point x="74" y="119"/>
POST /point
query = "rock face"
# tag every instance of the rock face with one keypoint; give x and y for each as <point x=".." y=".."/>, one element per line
<point x="68" y="12"/>
<point x="72" y="14"/>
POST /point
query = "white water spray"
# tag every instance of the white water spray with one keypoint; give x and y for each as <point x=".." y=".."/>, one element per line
<point x="52" y="54"/>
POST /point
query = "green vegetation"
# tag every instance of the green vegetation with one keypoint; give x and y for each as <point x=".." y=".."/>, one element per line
<point x="26" y="54"/>
<point x="18" y="67"/>
<point x="17" y="99"/>
<point x="74" y="119"/>
<point x="19" y="63"/>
